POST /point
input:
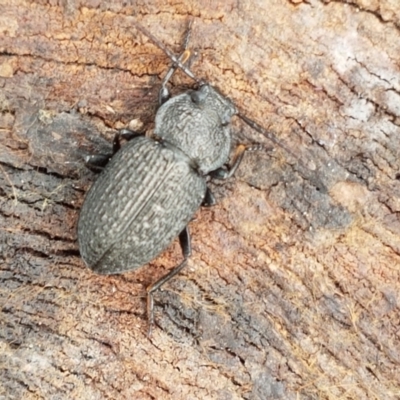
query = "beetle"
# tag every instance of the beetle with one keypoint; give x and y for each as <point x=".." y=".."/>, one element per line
<point x="152" y="186"/>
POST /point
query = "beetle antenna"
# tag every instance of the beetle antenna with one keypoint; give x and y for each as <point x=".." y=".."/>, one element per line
<point x="267" y="134"/>
<point x="171" y="55"/>
<point x="311" y="175"/>
<point x="179" y="63"/>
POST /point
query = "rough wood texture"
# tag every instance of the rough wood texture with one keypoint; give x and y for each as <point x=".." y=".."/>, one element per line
<point x="291" y="293"/>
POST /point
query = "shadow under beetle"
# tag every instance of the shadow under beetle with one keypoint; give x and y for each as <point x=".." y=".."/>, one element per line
<point x="151" y="187"/>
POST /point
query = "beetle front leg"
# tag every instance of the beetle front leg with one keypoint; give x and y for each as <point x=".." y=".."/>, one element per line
<point x="184" y="240"/>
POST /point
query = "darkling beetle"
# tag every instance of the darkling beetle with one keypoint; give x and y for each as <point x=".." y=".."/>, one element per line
<point x="150" y="188"/>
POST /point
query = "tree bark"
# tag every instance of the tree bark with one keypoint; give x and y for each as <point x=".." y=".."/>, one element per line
<point x="292" y="291"/>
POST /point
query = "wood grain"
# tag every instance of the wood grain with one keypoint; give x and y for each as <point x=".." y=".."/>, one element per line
<point x="292" y="292"/>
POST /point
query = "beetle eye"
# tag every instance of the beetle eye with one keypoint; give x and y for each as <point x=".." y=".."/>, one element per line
<point x="197" y="96"/>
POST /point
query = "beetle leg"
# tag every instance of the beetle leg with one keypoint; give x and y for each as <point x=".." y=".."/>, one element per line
<point x="184" y="240"/>
<point x="164" y="94"/>
<point x="128" y="134"/>
<point x="225" y="173"/>
<point x="96" y="162"/>
<point x="209" y="199"/>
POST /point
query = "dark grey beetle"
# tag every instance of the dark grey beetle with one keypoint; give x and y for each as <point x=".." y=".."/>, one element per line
<point x="151" y="187"/>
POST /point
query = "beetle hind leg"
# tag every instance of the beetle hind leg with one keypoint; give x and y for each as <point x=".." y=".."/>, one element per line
<point x="184" y="240"/>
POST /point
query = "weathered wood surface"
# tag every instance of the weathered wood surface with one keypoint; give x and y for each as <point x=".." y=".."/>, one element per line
<point x="291" y="293"/>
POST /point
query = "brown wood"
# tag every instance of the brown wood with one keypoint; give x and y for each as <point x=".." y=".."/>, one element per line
<point x="291" y="293"/>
